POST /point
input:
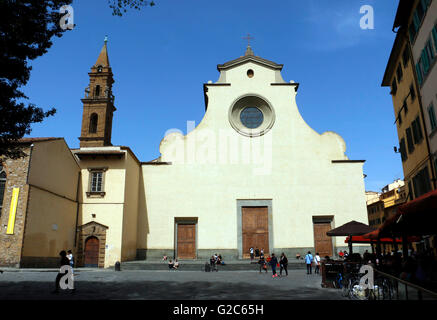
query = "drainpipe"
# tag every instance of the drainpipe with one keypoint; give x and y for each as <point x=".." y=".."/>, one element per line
<point x="77" y="208"/>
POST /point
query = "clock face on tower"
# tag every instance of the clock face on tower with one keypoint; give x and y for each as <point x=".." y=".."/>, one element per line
<point x="251" y="115"/>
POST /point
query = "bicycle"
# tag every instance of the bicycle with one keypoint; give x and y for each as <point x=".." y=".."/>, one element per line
<point x="348" y="282"/>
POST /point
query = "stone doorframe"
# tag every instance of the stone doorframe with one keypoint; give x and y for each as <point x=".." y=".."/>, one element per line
<point x="91" y="229"/>
<point x="253" y="203"/>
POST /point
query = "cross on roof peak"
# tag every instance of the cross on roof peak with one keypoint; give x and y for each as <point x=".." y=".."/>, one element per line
<point x="248" y="38"/>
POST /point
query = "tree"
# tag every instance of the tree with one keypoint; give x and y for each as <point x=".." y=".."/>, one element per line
<point x="120" y="6"/>
<point x="26" y="31"/>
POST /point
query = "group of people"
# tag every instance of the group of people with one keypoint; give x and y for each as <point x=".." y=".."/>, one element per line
<point x="255" y="253"/>
<point x="214" y="261"/>
<point x="418" y="268"/>
<point x="172" y="265"/>
<point x="273" y="262"/>
<point x="309" y="260"/>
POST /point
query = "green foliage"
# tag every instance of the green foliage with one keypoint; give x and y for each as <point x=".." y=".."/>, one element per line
<point x="26" y="30"/>
<point x="120" y="6"/>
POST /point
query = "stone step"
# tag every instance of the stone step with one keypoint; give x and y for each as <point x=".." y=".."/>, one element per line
<point x="200" y="266"/>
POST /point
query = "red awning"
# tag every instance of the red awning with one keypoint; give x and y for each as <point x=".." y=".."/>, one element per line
<point x="363" y="239"/>
<point x="425" y="204"/>
<point x="417" y="217"/>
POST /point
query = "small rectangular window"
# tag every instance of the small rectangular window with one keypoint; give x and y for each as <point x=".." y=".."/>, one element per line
<point x="96" y="183"/>
<point x="394" y="87"/>
<point x="399" y="73"/>
<point x="412" y="92"/>
<point x="421" y="182"/>
<point x="405" y="106"/>
<point x="403" y="150"/>
<point x="405" y="56"/>
<point x="410" y="191"/>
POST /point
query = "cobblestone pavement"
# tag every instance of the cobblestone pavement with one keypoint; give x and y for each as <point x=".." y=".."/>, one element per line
<point x="167" y="285"/>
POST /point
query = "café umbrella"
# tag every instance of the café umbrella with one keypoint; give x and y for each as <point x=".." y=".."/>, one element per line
<point x="352" y="228"/>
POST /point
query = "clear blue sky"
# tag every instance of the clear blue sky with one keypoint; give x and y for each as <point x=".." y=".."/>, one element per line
<point x="161" y="56"/>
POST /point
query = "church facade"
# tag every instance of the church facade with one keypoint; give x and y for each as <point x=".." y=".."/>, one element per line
<point x="252" y="173"/>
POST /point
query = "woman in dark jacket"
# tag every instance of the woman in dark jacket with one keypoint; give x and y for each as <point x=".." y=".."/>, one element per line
<point x="283" y="263"/>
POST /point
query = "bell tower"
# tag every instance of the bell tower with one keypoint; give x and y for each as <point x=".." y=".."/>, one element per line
<point x="98" y="104"/>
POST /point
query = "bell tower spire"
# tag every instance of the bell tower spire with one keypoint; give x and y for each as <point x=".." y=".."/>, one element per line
<point x="98" y="104"/>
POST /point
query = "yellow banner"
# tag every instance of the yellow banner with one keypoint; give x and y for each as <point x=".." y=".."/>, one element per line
<point x="13" y="211"/>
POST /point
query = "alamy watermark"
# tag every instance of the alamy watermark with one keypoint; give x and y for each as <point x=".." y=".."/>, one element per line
<point x="67" y="20"/>
<point x="67" y="280"/>
<point x="222" y="146"/>
<point x="367" y="280"/>
<point x="367" y="21"/>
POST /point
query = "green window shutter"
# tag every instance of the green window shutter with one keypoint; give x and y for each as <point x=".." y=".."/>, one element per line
<point x="425" y="61"/>
<point x="419" y="129"/>
<point x="435" y="165"/>
<point x="432" y="118"/>
<point x="434" y="35"/>
<point x="415" y="132"/>
<point x="403" y="150"/>
<point x="410" y="142"/>
<point x="416" y="21"/>
<point x="419" y="73"/>
<point x="424" y="4"/>
<point x="429" y="49"/>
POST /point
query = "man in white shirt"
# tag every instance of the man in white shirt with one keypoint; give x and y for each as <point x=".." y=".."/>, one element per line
<point x="251" y="254"/>
<point x="317" y="263"/>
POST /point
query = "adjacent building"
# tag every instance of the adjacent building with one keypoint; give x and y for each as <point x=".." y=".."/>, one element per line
<point x="39" y="202"/>
<point x="412" y="119"/>
<point x="381" y="206"/>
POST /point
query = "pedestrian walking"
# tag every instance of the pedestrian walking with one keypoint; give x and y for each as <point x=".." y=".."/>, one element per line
<point x="309" y="261"/>
<point x="262" y="264"/>
<point x="256" y="253"/>
<point x="317" y="263"/>
<point x="273" y="263"/>
<point x="64" y="262"/>
<point x="251" y="254"/>
<point x="71" y="259"/>
<point x="283" y="264"/>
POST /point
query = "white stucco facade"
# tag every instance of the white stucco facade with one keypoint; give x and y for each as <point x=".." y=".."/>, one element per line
<point x="301" y="173"/>
<point x="222" y="166"/>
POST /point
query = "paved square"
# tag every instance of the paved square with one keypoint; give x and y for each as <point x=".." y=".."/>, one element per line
<point x="168" y="285"/>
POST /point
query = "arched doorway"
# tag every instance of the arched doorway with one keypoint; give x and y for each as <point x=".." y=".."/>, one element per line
<point x="91" y="252"/>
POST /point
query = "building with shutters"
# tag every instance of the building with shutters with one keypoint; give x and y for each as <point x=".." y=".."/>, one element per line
<point x="406" y="84"/>
<point x="252" y="173"/>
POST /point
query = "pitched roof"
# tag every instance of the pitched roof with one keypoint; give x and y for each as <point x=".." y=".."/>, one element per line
<point x="249" y="56"/>
<point x="32" y="140"/>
